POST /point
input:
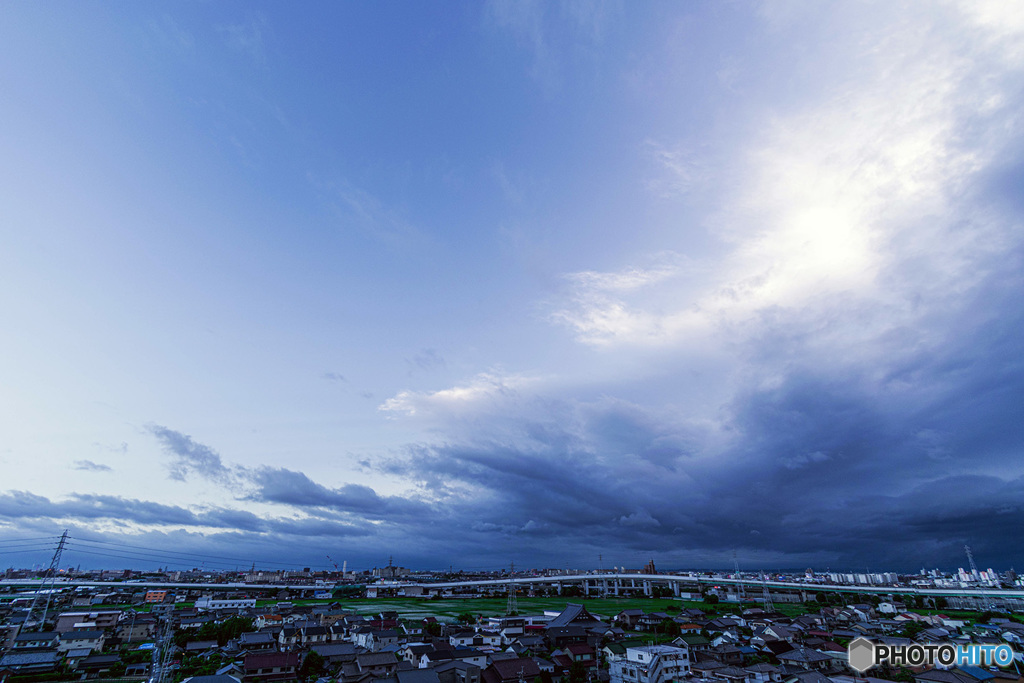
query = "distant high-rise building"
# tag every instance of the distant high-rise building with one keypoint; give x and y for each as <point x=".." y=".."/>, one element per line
<point x="649" y="567"/>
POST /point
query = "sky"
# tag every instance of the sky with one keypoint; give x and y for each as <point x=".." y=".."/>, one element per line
<point x="565" y="284"/>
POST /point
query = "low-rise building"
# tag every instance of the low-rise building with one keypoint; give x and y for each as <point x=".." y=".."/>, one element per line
<point x="235" y="603"/>
<point x="81" y="640"/>
<point x="270" y="666"/>
<point x="98" y="619"/>
<point x="651" y="664"/>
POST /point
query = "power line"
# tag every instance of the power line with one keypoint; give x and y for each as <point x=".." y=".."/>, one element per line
<point x="186" y="555"/>
<point x="7" y="541"/>
<point x="26" y="550"/>
<point x="146" y="558"/>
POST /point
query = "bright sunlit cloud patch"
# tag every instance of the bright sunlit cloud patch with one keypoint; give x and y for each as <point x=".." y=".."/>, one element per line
<point x="485" y="389"/>
<point x="834" y="197"/>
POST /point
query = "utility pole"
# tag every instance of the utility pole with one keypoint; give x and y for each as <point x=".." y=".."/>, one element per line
<point x="49" y="576"/>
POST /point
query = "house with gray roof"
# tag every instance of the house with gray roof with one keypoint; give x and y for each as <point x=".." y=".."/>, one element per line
<point x="30" y="662"/>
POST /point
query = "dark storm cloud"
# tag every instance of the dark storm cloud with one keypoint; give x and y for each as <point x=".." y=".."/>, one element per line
<point x="189" y="456"/>
<point x="23" y="505"/>
<point x="892" y="453"/>
<point x="898" y="458"/>
<point x="288" y="487"/>
<point x="278" y="485"/>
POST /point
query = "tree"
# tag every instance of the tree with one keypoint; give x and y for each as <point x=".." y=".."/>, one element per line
<point x="711" y="599"/>
<point x="668" y="626"/>
<point x="572" y="591"/>
<point x="199" y="666"/>
<point x="222" y="632"/>
<point x="577" y="673"/>
<point x="232" y="628"/>
<point x="434" y="628"/>
<point x="312" y="665"/>
<point x="911" y="629"/>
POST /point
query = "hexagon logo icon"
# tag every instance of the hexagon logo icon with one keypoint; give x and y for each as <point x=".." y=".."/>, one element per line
<point x="862" y="654"/>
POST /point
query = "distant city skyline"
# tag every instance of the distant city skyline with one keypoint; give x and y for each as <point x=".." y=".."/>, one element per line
<point x="514" y="281"/>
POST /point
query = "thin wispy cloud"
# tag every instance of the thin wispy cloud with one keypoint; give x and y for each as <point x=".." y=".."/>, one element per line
<point x="248" y="37"/>
<point x="189" y="457"/>
<point x="331" y="376"/>
<point x="425" y="360"/>
<point x="359" y="209"/>
<point x="90" y="466"/>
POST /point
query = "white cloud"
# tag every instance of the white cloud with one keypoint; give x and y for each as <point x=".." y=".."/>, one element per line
<point x="486" y="389"/>
<point x="640" y="518"/>
<point x="683" y="171"/>
<point x="838" y="194"/>
<point x="804" y="459"/>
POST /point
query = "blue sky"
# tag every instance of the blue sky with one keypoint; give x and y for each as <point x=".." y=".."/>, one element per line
<point x="514" y="281"/>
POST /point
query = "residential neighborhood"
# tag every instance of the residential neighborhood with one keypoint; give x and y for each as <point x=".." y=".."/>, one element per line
<point x="204" y="636"/>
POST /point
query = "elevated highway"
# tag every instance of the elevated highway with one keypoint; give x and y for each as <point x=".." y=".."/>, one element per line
<point x="599" y="583"/>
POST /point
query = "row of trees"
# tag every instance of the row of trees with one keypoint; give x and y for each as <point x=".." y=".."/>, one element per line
<point x="228" y="629"/>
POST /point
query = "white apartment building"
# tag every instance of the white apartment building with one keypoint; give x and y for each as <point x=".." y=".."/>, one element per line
<point x="210" y="603"/>
<point x="651" y="664"/>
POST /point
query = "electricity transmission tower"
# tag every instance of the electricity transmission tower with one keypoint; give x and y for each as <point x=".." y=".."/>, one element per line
<point x="46" y="587"/>
<point x="162" y="652"/>
<point x="513" y="604"/>
<point x="768" y="606"/>
<point x="970" y="559"/>
<point x="739" y="586"/>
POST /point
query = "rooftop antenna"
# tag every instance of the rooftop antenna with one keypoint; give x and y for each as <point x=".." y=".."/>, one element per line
<point x="48" y="579"/>
<point x="513" y="603"/>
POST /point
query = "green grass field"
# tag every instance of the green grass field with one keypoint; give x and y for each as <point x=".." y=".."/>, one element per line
<point x="451" y="608"/>
<point x="417" y="608"/>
